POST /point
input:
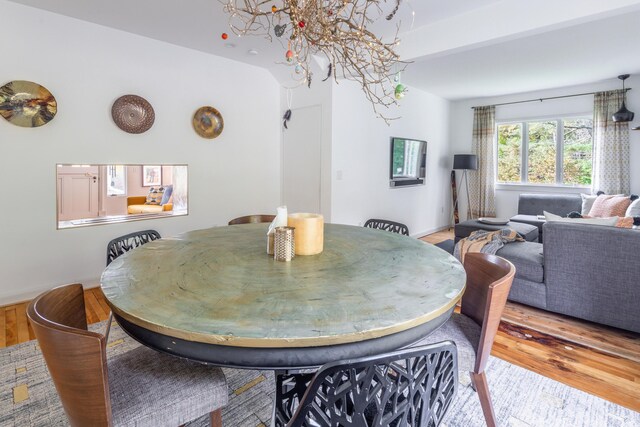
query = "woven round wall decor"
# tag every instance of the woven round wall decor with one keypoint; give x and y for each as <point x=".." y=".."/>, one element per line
<point x="27" y="104"/>
<point x="208" y="122"/>
<point x="133" y="114"/>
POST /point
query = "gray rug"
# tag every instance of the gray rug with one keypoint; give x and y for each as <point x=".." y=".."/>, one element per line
<point x="521" y="398"/>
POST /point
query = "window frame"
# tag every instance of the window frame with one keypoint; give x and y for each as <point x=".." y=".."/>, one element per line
<point x="524" y="151"/>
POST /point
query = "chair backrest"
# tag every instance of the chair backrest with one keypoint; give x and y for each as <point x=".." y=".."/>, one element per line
<point x="125" y="243"/>
<point x="410" y="387"/>
<point x="252" y="219"/>
<point x="76" y="358"/>
<point x="489" y="280"/>
<point x="383" y="224"/>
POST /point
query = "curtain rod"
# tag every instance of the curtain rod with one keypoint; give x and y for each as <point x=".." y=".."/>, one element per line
<point x="545" y="99"/>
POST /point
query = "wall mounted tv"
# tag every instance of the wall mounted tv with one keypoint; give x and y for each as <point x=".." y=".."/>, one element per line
<point x="407" y="163"/>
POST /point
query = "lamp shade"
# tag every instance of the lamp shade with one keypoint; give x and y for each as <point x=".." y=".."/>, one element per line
<point x="465" y="161"/>
<point x="623" y="115"/>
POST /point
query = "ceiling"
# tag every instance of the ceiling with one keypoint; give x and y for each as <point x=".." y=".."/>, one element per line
<point x="460" y="49"/>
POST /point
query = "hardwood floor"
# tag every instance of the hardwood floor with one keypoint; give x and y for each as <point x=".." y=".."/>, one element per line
<point x="596" y="359"/>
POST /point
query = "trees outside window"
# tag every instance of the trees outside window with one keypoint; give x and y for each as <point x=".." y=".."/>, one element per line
<point x="552" y="152"/>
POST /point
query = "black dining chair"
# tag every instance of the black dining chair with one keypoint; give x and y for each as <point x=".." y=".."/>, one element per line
<point x="412" y="387"/>
<point x="122" y="244"/>
<point x="384" y="224"/>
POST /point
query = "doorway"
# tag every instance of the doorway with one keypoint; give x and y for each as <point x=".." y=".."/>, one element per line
<point x="301" y="160"/>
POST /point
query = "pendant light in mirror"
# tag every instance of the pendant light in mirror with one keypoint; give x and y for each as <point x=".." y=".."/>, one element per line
<point x="623" y="115"/>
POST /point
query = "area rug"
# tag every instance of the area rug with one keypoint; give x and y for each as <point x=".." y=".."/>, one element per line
<point x="521" y="398"/>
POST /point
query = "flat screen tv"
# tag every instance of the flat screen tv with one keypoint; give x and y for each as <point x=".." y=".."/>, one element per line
<point x="408" y="162"/>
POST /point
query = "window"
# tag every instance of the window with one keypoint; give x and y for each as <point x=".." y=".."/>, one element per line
<point x="116" y="180"/>
<point x="551" y="152"/>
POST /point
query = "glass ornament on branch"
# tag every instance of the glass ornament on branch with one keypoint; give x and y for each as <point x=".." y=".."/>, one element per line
<point x="336" y="29"/>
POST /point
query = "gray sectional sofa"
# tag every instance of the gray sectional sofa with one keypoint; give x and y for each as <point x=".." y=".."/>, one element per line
<point x="591" y="272"/>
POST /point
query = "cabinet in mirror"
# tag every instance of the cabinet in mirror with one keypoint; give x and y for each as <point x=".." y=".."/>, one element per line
<point x="104" y="194"/>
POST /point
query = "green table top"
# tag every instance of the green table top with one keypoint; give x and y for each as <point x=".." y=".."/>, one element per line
<point x="219" y="286"/>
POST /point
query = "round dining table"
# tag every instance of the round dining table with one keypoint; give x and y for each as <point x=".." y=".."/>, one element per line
<point x="215" y="296"/>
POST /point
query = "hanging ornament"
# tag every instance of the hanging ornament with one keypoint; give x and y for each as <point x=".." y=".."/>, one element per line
<point x="278" y="30"/>
<point x="396" y="78"/>
<point x="289" y="54"/>
<point x="328" y="73"/>
<point x="274" y="9"/>
<point x="225" y="36"/>
<point x="287" y="114"/>
<point x="400" y="91"/>
<point x="298" y="69"/>
<point x="301" y="24"/>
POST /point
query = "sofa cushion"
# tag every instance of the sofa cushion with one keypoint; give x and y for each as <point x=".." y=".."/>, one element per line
<point x="610" y="205"/>
<point x="529" y="219"/>
<point x="559" y="204"/>
<point x="527" y="258"/>
<point x="137" y="209"/>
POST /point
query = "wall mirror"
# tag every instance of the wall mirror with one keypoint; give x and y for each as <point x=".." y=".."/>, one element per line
<point x="104" y="194"/>
<point x="408" y="162"/>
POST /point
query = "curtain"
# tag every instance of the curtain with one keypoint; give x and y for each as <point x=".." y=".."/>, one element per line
<point x="610" y="145"/>
<point x="482" y="180"/>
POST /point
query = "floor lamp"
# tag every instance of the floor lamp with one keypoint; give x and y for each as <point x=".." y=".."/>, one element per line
<point x="465" y="162"/>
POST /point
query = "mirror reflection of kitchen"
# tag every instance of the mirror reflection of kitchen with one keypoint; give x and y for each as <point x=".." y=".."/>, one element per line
<point x="102" y="194"/>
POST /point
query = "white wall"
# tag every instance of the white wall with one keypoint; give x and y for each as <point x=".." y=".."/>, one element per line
<point x="87" y="67"/>
<point x="360" y="160"/>
<point x="507" y="199"/>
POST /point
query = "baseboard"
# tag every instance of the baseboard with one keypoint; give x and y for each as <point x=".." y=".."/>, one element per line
<point x="430" y="231"/>
<point x="17" y="298"/>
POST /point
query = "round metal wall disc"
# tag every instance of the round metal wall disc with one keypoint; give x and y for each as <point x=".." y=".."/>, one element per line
<point x="27" y="104"/>
<point x="208" y="122"/>
<point x="133" y="114"/>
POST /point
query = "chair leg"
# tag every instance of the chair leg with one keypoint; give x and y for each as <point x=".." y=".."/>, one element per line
<point x="216" y="418"/>
<point x="482" y="388"/>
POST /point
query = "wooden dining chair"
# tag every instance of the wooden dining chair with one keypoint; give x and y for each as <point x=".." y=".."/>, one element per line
<point x="411" y="387"/>
<point x="139" y="387"/>
<point x="384" y="224"/>
<point x="252" y="219"/>
<point x="122" y="244"/>
<point x="489" y="280"/>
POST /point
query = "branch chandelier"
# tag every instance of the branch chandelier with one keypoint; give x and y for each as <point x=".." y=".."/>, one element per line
<point x="335" y="29"/>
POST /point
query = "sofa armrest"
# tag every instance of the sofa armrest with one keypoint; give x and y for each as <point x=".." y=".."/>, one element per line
<point x="592" y="272"/>
<point x="559" y="204"/>
<point x="136" y="200"/>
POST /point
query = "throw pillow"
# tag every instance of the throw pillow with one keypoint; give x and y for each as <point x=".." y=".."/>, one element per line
<point x="610" y="205"/>
<point x="590" y="221"/>
<point x="168" y="191"/>
<point x="155" y="196"/>
<point x="587" y="203"/>
<point x="633" y="209"/>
